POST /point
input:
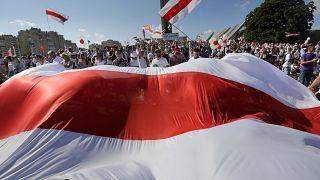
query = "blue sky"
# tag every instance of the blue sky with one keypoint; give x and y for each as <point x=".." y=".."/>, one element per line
<point x="121" y="20"/>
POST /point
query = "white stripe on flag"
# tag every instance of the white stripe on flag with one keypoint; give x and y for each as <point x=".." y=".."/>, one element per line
<point x="168" y="6"/>
<point x="187" y="10"/>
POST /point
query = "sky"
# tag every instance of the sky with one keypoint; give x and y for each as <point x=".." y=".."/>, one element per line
<point x="98" y="20"/>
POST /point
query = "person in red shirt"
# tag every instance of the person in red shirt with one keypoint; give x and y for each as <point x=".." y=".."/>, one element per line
<point x="177" y="57"/>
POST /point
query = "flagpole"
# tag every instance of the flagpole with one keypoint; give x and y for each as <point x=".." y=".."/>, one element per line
<point x="48" y="23"/>
<point x="180" y="31"/>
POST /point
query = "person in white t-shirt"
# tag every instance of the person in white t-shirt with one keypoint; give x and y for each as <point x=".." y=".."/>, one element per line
<point x="196" y="54"/>
<point x="40" y="60"/>
<point x="134" y="59"/>
<point x="11" y="66"/>
<point x="99" y="60"/>
<point x="286" y="67"/>
<point x="142" y="61"/>
<point x="159" y="61"/>
<point x="54" y="58"/>
<point x="150" y="54"/>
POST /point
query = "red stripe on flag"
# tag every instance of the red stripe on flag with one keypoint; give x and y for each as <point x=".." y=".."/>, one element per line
<point x="139" y="107"/>
<point x="54" y="14"/>
<point x="176" y="9"/>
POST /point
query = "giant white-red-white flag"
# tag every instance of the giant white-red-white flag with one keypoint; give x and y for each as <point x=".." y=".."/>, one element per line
<point x="56" y="15"/>
<point x="234" y="118"/>
<point x="175" y="10"/>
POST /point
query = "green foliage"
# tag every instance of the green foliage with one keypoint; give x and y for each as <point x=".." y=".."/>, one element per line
<point x="270" y="21"/>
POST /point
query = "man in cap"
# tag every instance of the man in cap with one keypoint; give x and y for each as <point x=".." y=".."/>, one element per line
<point x="177" y="57"/>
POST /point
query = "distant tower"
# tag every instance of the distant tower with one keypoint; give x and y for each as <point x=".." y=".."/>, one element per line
<point x="166" y="27"/>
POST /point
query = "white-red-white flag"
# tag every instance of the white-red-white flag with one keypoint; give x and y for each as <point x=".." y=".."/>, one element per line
<point x="56" y="15"/>
<point x="235" y="118"/>
<point x="150" y="30"/>
<point x="175" y="10"/>
<point x="9" y="52"/>
<point x="289" y="34"/>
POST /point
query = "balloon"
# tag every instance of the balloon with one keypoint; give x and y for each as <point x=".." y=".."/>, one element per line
<point x="224" y="41"/>
<point x="219" y="46"/>
<point x="81" y="41"/>
<point x="308" y="39"/>
<point x="220" y="41"/>
<point x="215" y="42"/>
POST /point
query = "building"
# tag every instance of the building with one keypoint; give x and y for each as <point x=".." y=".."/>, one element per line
<point x="35" y="41"/>
<point x="110" y="43"/>
<point x="7" y="42"/>
<point x="104" y="44"/>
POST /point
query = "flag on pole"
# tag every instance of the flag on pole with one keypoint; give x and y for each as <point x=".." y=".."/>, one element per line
<point x="56" y="15"/>
<point x="235" y="118"/>
<point x="150" y="30"/>
<point x="175" y="10"/>
<point x="289" y="34"/>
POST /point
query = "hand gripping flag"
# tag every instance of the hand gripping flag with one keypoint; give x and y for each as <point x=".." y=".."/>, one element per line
<point x="234" y="118"/>
<point x="56" y="15"/>
<point x="175" y="10"/>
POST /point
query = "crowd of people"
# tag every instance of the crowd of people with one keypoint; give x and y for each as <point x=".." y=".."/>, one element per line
<point x="300" y="61"/>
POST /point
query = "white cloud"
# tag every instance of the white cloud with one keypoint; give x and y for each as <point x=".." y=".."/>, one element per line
<point x="23" y="22"/>
<point x="3" y="33"/>
<point x="100" y="36"/>
<point x="82" y="30"/>
<point x="244" y="5"/>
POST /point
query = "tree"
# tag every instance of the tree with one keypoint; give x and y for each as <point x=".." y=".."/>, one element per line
<point x="270" y="21"/>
